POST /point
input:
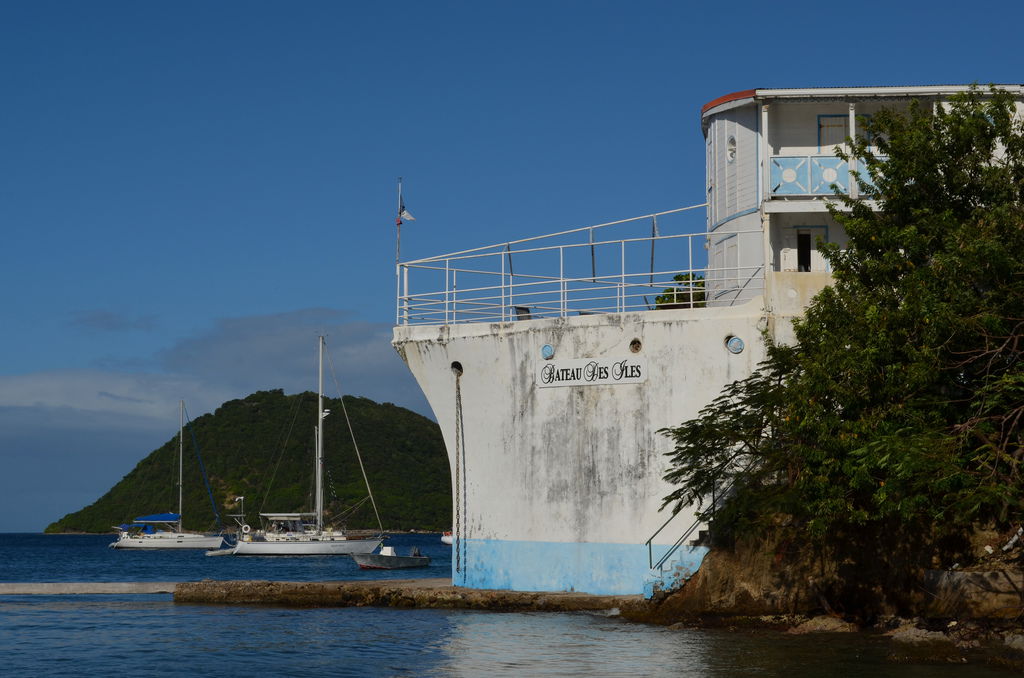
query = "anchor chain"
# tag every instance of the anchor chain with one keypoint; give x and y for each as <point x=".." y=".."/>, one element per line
<point x="458" y="496"/>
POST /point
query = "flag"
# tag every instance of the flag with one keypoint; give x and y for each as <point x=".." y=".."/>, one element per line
<point x="403" y="214"/>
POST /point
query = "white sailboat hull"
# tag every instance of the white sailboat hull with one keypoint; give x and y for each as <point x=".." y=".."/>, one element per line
<point x="295" y="534"/>
<point x="169" y="540"/>
<point x="306" y="547"/>
<point x="167" y="533"/>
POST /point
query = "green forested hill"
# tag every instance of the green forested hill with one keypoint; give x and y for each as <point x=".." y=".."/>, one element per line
<point x="262" y="448"/>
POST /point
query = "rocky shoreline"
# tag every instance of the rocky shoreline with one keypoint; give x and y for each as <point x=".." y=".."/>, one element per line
<point x="973" y="616"/>
<point x="911" y="641"/>
<point x="990" y="641"/>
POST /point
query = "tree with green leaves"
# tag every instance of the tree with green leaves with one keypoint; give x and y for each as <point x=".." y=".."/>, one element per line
<point x="893" y="423"/>
<point x="687" y="292"/>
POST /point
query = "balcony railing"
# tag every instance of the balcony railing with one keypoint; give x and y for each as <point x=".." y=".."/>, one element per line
<point x="813" y="175"/>
<point x="808" y="175"/>
<point x="579" y="272"/>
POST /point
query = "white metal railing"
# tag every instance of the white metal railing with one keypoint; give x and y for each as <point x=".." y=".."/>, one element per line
<point x="578" y="272"/>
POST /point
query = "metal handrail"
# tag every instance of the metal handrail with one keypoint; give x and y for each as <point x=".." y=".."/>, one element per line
<point x="584" y="275"/>
<point x="555" y="235"/>
<point x="498" y="291"/>
<point x="579" y="294"/>
<point x="716" y="500"/>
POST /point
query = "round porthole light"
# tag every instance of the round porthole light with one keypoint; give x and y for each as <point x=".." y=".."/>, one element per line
<point x="734" y="344"/>
<point x="547" y="351"/>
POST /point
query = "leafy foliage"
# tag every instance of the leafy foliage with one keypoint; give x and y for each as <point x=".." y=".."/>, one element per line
<point x="262" y="448"/>
<point x="689" y="293"/>
<point x="896" y="415"/>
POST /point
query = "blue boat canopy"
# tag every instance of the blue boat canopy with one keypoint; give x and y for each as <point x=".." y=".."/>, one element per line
<point x="142" y="527"/>
<point x="159" y="518"/>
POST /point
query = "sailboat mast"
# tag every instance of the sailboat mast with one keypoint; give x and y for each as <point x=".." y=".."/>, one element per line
<point x="181" y="455"/>
<point x="320" y="443"/>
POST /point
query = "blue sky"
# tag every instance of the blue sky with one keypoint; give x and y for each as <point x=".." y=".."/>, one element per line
<point x="191" y="191"/>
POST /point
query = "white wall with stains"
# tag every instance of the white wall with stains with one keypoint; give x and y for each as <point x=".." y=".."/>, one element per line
<point x="560" y="487"/>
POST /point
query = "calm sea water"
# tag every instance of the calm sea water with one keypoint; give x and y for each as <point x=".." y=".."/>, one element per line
<point x="152" y="636"/>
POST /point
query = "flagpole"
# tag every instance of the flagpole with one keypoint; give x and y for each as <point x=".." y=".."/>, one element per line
<point x="398" y="225"/>
<point x="398" y="251"/>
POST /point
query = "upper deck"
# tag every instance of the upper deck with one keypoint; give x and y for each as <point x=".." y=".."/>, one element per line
<point x="772" y="170"/>
<point x="653" y="261"/>
<point x="778" y="146"/>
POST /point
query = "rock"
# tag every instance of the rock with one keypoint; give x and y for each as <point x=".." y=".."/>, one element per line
<point x="912" y="645"/>
<point x="1014" y="641"/>
<point x="424" y="593"/>
<point x="745" y="582"/>
<point x="977" y="594"/>
<point x="911" y="635"/>
<point x="824" y="624"/>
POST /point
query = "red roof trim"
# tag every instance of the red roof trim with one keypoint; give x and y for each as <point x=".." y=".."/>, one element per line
<point x="735" y="96"/>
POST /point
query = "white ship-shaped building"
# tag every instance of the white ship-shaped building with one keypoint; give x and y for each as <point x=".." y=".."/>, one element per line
<point x="552" y="362"/>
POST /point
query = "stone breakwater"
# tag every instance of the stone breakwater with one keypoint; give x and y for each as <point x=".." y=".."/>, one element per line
<point x="403" y="593"/>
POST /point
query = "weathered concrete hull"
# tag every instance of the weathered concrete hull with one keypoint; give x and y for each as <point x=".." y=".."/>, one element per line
<point x="558" y="485"/>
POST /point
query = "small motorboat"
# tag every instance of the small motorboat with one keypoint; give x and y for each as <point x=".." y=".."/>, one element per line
<point x="387" y="559"/>
<point x="446" y="538"/>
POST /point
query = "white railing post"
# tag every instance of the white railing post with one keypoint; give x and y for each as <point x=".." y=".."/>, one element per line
<point x="447" y="288"/>
<point x="765" y="176"/>
<point x="853" y="189"/>
<point x="622" y="276"/>
<point x="405" y="294"/>
<point x="561" y="280"/>
<point x="504" y="306"/>
<point x="693" y="272"/>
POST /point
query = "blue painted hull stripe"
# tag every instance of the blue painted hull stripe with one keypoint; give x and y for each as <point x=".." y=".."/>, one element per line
<point x="603" y="569"/>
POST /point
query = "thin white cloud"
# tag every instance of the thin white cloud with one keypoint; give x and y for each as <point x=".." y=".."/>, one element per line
<point x="231" y="360"/>
<point x="279" y="351"/>
<point x="138" y="399"/>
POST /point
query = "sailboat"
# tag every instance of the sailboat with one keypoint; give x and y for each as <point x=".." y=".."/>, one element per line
<point x="304" y="534"/>
<point x="164" y="530"/>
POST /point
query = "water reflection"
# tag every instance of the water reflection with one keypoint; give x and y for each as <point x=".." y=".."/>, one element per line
<point x="143" y="636"/>
<point x="547" y="644"/>
<point x="152" y="636"/>
<point x="551" y="644"/>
